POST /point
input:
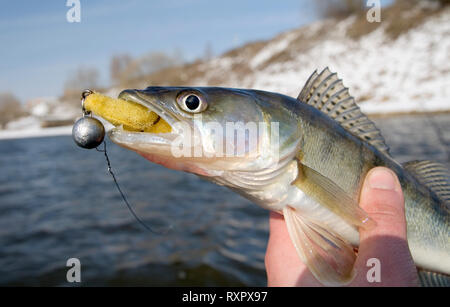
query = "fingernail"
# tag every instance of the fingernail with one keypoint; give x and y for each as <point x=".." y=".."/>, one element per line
<point x="382" y="179"/>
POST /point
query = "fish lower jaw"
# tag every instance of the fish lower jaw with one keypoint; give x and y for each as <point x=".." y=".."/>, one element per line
<point x="140" y="140"/>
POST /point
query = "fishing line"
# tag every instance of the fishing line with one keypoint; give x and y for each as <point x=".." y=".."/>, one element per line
<point x="108" y="162"/>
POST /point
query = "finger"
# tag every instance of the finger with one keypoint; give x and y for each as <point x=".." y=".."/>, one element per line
<point x="283" y="265"/>
<point x="382" y="199"/>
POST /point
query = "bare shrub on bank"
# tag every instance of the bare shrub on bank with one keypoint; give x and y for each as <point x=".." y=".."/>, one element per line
<point x="339" y="8"/>
<point x="83" y="78"/>
<point x="10" y="109"/>
<point x="125" y="71"/>
<point x="118" y="66"/>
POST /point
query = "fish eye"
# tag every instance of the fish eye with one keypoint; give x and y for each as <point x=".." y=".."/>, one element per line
<point x="191" y="102"/>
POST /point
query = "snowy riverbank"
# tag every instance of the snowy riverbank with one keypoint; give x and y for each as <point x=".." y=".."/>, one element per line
<point x="387" y="75"/>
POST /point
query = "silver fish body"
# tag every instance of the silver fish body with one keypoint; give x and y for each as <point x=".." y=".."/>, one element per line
<point x="324" y="147"/>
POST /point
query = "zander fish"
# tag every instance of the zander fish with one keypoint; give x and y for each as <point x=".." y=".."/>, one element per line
<point x="307" y="161"/>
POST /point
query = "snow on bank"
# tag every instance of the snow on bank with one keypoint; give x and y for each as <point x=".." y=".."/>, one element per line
<point x="42" y="109"/>
<point x="30" y="126"/>
<point x="35" y="132"/>
<point x="408" y="74"/>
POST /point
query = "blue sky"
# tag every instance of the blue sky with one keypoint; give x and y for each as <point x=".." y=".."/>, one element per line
<point x="40" y="49"/>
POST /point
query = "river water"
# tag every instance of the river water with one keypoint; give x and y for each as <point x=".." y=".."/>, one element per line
<point x="58" y="201"/>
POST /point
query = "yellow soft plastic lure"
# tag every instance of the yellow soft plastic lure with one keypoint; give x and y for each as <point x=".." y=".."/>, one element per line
<point x="131" y="115"/>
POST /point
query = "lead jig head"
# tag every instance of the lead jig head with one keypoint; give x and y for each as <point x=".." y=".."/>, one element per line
<point x="88" y="132"/>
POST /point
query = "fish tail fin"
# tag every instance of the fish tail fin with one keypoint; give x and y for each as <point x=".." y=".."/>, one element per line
<point x="328" y="256"/>
<point x="434" y="175"/>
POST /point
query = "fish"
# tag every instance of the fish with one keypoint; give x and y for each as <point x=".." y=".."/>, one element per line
<point x="307" y="161"/>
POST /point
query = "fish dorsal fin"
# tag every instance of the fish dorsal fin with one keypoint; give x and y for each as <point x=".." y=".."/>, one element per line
<point x="327" y="93"/>
<point x="432" y="174"/>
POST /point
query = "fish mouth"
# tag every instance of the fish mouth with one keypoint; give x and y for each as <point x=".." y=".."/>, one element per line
<point x="145" y="141"/>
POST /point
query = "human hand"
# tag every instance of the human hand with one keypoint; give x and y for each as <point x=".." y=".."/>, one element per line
<point x="382" y="199"/>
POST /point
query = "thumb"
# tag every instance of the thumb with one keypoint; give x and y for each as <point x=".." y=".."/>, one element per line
<point x="382" y="199"/>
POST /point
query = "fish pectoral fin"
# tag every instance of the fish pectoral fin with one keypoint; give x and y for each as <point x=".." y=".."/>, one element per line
<point x="329" y="194"/>
<point x="328" y="256"/>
